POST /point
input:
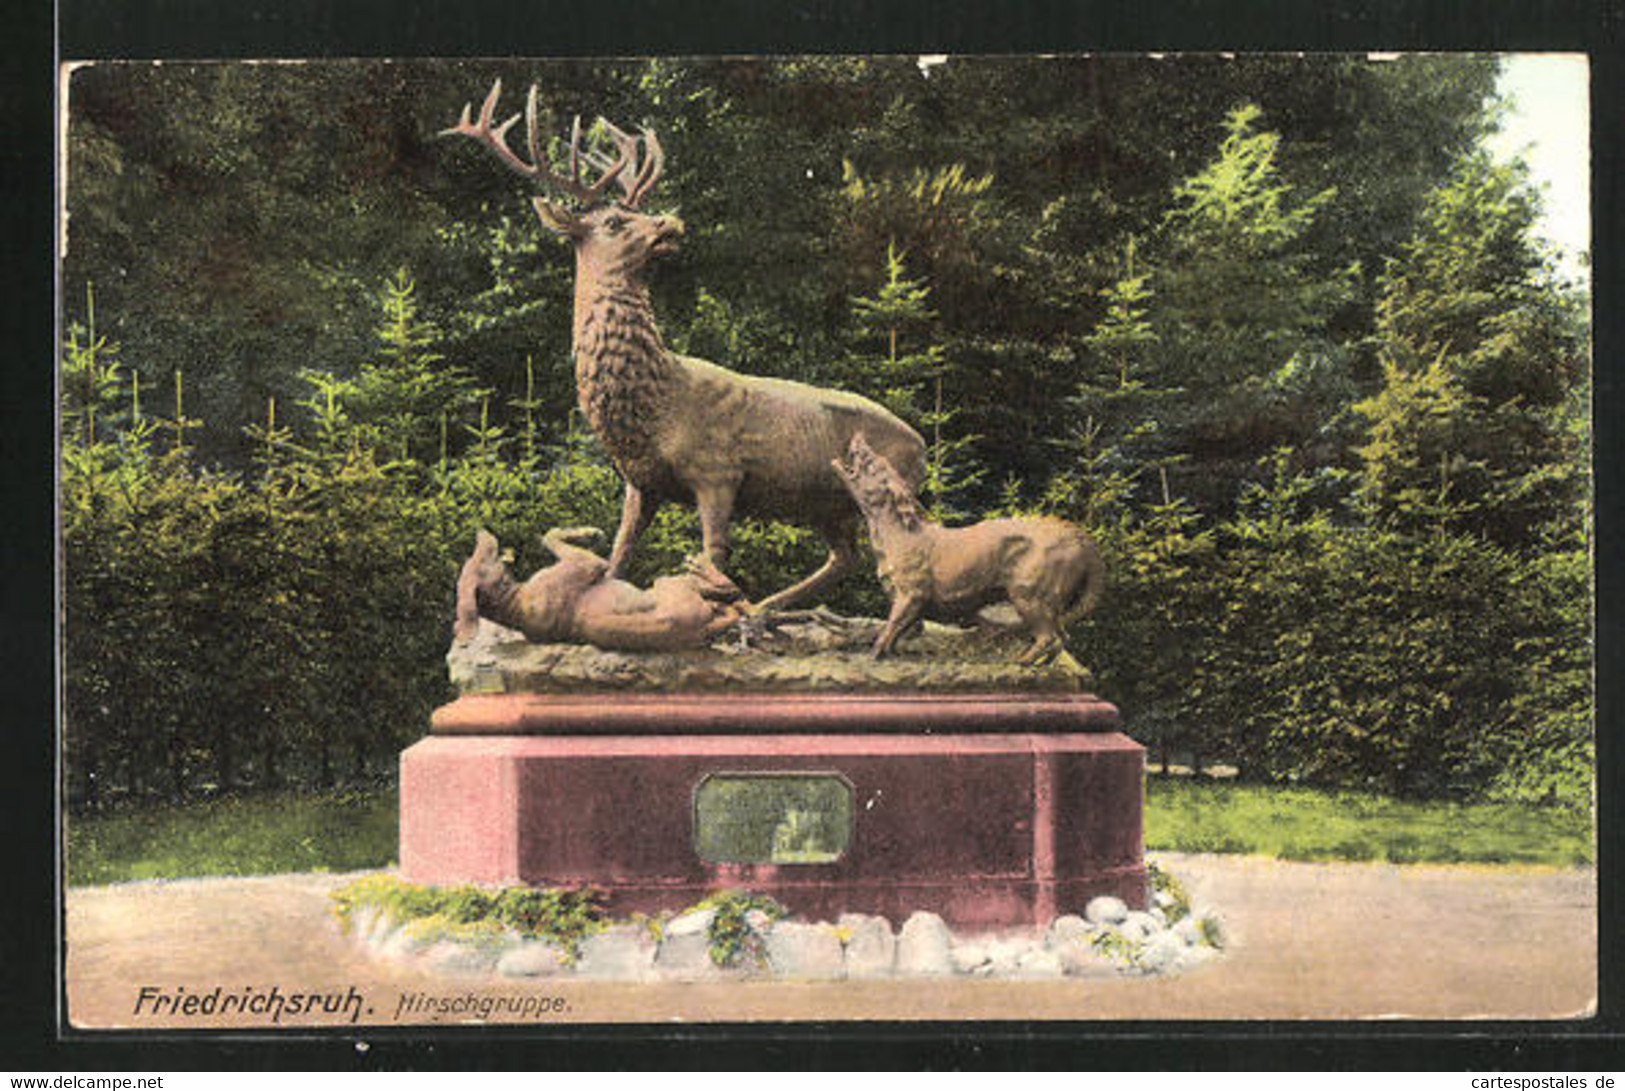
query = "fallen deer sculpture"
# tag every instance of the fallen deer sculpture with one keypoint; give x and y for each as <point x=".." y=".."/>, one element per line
<point x="677" y="428"/>
<point x="1048" y="569"/>
<point x="576" y="601"/>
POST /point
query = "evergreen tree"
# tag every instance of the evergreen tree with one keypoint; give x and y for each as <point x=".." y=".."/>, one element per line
<point x="1480" y="418"/>
<point x="400" y="398"/>
<point x="1118" y="408"/>
<point x="1241" y="314"/>
<point x="903" y="304"/>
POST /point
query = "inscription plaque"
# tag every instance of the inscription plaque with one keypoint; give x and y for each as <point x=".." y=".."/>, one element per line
<point x="772" y="818"/>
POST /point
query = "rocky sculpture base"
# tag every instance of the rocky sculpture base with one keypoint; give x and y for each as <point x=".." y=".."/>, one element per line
<point x="815" y="656"/>
<point x="992" y="810"/>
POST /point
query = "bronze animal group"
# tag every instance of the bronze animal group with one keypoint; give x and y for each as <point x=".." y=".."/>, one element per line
<point x="577" y="601"/>
<point x="1048" y="569"/>
<point x="678" y="428"/>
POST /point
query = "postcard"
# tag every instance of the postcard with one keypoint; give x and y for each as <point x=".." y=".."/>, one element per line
<point x="846" y="537"/>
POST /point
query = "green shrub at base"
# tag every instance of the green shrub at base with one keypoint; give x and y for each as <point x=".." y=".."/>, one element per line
<point x="1164" y="883"/>
<point x="561" y="917"/>
<point x="732" y="939"/>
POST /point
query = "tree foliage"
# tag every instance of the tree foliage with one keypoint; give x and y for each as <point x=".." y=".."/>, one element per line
<point x="1482" y="408"/>
<point x="1271" y="327"/>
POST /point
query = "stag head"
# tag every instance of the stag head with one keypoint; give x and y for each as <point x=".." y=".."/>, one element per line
<point x="610" y="233"/>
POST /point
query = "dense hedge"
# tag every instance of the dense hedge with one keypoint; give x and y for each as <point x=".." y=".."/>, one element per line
<point x="1338" y="654"/>
<point x="290" y="627"/>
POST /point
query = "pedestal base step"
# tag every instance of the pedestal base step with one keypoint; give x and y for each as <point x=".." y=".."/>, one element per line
<point x="773" y="714"/>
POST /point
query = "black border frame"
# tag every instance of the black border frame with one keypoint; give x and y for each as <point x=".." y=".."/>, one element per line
<point x="197" y="29"/>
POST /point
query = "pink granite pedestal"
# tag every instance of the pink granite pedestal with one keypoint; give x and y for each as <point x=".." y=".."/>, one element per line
<point x="1024" y="808"/>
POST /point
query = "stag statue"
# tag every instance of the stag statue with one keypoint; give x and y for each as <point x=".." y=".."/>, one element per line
<point x="677" y="427"/>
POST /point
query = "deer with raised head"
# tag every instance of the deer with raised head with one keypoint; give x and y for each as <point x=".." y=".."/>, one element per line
<point x="675" y="427"/>
<point x="1048" y="569"/>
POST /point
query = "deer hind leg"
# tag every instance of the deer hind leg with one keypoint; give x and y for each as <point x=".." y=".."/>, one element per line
<point x="843" y="553"/>
<point x="636" y="513"/>
<point x="565" y="544"/>
<point x="1040" y="619"/>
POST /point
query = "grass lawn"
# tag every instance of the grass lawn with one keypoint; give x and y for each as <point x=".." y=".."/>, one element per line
<point x="350" y="831"/>
<point x="252" y="835"/>
<point x="1184" y="815"/>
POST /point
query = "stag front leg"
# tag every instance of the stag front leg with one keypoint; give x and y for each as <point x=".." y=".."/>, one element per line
<point x="636" y="513"/>
<point x="716" y="507"/>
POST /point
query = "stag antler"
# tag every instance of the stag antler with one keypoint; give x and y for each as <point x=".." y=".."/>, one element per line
<point x="642" y="179"/>
<point x="496" y="139"/>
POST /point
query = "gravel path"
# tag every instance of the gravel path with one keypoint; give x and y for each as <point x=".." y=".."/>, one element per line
<point x="1307" y="941"/>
